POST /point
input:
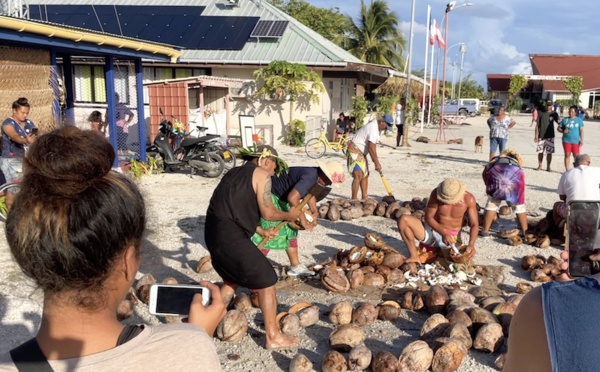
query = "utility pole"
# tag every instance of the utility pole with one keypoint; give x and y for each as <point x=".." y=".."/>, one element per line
<point x="463" y="51"/>
<point x="407" y="113"/>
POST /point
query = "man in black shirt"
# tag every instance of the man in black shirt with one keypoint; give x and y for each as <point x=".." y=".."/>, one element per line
<point x="544" y="134"/>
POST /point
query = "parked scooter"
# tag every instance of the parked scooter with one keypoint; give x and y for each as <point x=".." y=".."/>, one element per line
<point x="193" y="153"/>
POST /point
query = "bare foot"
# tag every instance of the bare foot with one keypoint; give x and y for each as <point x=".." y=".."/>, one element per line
<point x="281" y="341"/>
<point x="539" y="168"/>
<point x="549" y="170"/>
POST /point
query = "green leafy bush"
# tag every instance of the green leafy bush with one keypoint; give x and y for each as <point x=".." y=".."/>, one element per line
<point x="359" y="110"/>
<point x="296" y="133"/>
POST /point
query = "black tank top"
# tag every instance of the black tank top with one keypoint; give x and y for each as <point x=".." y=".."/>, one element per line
<point x="234" y="200"/>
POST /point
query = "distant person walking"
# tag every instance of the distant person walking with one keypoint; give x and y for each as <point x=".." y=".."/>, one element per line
<point x="544" y="135"/>
<point x="400" y="118"/>
<point x="499" y="125"/>
<point x="572" y="130"/>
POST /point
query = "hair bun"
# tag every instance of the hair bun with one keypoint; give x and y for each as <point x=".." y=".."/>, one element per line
<point x="67" y="161"/>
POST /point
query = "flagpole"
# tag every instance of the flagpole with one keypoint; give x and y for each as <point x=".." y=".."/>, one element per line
<point x="431" y="84"/>
<point x="408" y="78"/>
<point x="422" y="115"/>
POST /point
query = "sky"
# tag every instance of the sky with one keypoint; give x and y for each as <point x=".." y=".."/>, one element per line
<point x="500" y="35"/>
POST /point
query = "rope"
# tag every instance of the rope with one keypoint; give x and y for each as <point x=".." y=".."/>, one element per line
<point x="98" y="18"/>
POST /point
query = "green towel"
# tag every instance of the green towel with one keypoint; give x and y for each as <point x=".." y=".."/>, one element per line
<point x="282" y="240"/>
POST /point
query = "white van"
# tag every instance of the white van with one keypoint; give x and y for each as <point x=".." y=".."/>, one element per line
<point x="471" y="101"/>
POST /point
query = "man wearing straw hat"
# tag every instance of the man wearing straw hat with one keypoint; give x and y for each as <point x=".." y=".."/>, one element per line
<point x="289" y="188"/>
<point x="239" y="201"/>
<point x="448" y="204"/>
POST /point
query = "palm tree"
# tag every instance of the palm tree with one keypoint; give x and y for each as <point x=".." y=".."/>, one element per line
<point x="375" y="37"/>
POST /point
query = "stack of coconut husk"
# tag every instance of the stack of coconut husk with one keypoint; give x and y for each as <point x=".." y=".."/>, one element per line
<point x="541" y="269"/>
<point x="345" y="209"/>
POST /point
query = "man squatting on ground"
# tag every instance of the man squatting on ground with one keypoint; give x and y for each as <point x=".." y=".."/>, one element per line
<point x="233" y="216"/>
<point x="365" y="142"/>
<point x="288" y="190"/>
<point x="447" y="206"/>
<point x="504" y="180"/>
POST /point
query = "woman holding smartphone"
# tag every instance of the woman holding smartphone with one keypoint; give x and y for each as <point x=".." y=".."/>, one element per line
<point x="76" y="230"/>
<point x="17" y="133"/>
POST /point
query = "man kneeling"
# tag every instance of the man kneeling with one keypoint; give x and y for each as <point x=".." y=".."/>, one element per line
<point x="448" y="204"/>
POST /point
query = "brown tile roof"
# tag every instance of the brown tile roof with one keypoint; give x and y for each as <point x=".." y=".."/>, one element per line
<point x="587" y="67"/>
<point x="498" y="82"/>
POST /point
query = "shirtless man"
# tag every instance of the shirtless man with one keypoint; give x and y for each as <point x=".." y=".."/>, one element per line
<point x="238" y="202"/>
<point x="448" y="204"/>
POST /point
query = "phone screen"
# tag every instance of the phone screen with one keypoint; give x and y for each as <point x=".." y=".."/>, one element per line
<point x="175" y="300"/>
<point x="583" y="219"/>
<point x="34" y="131"/>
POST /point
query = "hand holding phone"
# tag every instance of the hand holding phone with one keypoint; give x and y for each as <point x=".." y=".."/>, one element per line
<point x="583" y="219"/>
<point x="175" y="299"/>
<point x="208" y="317"/>
<point x="34" y="131"/>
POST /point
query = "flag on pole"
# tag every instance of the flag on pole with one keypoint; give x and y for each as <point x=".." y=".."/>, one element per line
<point x="432" y="32"/>
<point x="437" y="34"/>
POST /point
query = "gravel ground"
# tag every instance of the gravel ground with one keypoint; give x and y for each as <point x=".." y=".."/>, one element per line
<point x="174" y="243"/>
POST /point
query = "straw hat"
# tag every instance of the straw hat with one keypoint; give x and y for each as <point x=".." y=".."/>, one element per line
<point x="333" y="171"/>
<point x="263" y="152"/>
<point x="450" y="191"/>
<point x="511" y="153"/>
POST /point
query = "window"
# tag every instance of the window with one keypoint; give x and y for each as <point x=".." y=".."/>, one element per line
<point x="593" y="99"/>
<point x="90" y="87"/>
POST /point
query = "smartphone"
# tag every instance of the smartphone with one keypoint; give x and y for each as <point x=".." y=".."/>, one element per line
<point x="582" y="239"/>
<point x="34" y="131"/>
<point x="175" y="299"/>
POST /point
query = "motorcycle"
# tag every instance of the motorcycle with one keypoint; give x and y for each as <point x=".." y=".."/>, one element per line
<point x="197" y="154"/>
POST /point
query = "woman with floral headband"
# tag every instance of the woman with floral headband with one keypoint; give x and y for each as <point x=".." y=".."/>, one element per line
<point x="242" y="197"/>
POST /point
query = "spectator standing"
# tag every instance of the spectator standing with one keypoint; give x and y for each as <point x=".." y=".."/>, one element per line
<point x="400" y="119"/>
<point x="499" y="125"/>
<point x="534" y="116"/>
<point x="504" y="181"/>
<point x="365" y="142"/>
<point x="581" y="113"/>
<point x="96" y="123"/>
<point x="544" y="135"/>
<point x="124" y="117"/>
<point x="572" y="130"/>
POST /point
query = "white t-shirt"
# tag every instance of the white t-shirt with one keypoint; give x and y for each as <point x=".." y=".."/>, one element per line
<point x="580" y="183"/>
<point x="399" y="114"/>
<point x="367" y="133"/>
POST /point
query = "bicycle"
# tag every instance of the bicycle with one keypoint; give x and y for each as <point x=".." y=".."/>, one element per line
<point x="14" y="186"/>
<point x="316" y="147"/>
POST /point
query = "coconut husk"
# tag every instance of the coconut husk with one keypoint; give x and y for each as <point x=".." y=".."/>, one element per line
<point x="393" y="260"/>
<point x="333" y="361"/>
<point x="449" y="356"/>
<point x="538" y="275"/>
<point x="384" y="271"/>
<point x="333" y="214"/>
<point x="395" y="276"/>
<point x="481" y="317"/>
<point x="489" y="338"/>
<point x="376" y="258"/>
<point x="369" y="210"/>
<point x="416" y="356"/>
<point x="345" y="337"/>
<point x="300" y="363"/>
<point x="346" y="214"/>
<point x="504" y="210"/>
<point x="505" y="312"/>
<point x="323" y="209"/>
<point x="290" y="324"/>
<point x="434" y="326"/>
<point x="459" y="316"/>
<point x="390" y="212"/>
<point x="355" y="278"/>
<point x="389" y="310"/>
<point x="460" y="332"/>
<point x="490" y="303"/>
<point x="384" y="361"/>
<point x="374" y="241"/>
<point x="233" y="326"/>
<point x="543" y="242"/>
<point x="334" y="280"/>
<point x="464" y="255"/>
<point x="341" y="313"/>
<point x="374" y="280"/>
<point x="242" y="303"/>
<point x="364" y="315"/>
<point x="381" y="208"/>
<point x="523" y="287"/>
<point x="204" y="265"/>
<point x="309" y="316"/>
<point x="500" y="360"/>
<point x="423" y="139"/>
<point x="508" y="233"/>
<point x="515" y="240"/>
<point x="359" y="358"/>
<point x="436" y="299"/>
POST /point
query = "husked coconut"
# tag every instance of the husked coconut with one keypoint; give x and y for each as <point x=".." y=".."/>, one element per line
<point x="384" y="361"/>
<point x="309" y="316"/>
<point x="434" y="326"/>
<point x="489" y="338"/>
<point x="481" y="317"/>
<point x="505" y="312"/>
<point x="459" y="316"/>
<point x="449" y="356"/>
<point x="334" y="361"/>
<point x="459" y="294"/>
<point x="364" y="315"/>
<point x="436" y="299"/>
<point x="390" y="212"/>
<point x="538" y="275"/>
<point x="333" y="214"/>
<point x="356" y="278"/>
<point x="389" y="310"/>
<point x="345" y="337"/>
<point x="359" y="358"/>
<point x="381" y="208"/>
<point x="515" y="299"/>
<point x="242" y="303"/>
<point x="323" y="209"/>
<point x="416" y="357"/>
<point x="300" y="363"/>
<point x="489" y="303"/>
<point x="523" y="287"/>
<point x="346" y="214"/>
<point x="393" y="260"/>
<point x="341" y="313"/>
<point x="233" y="326"/>
<point x="374" y="280"/>
<point x="396" y="276"/>
<point x="460" y="332"/>
<point x="334" y="280"/>
<point x="204" y="265"/>
<point x="289" y="324"/>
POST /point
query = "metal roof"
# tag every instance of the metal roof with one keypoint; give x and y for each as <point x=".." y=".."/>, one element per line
<point x="298" y="44"/>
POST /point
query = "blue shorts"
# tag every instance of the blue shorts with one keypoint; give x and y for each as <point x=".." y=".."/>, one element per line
<point x="496" y="142"/>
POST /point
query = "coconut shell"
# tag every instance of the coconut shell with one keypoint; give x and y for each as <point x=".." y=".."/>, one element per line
<point x="308" y="316"/>
<point x="489" y="303"/>
<point x="290" y="324"/>
<point x="323" y="209"/>
<point x="449" y="356"/>
<point x="464" y="255"/>
<point x="381" y="208"/>
<point x="373" y="241"/>
<point x="542" y="227"/>
<point x="242" y="303"/>
<point x="390" y="212"/>
<point x="341" y="313"/>
<point x="389" y="312"/>
<point x="505" y="312"/>
<point x="489" y="338"/>
<point x="364" y="315"/>
<point x="434" y="326"/>
<point x="125" y="309"/>
<point x="374" y="280"/>
<point x="233" y="326"/>
<point x="334" y="280"/>
<point x="384" y="361"/>
<point x="459" y="316"/>
<point x="359" y="358"/>
<point x="146" y="279"/>
<point x="436" y="299"/>
<point x="334" y="361"/>
<point x="460" y="332"/>
<point x="529" y="238"/>
<point x="355" y="278"/>
<point x="357" y="254"/>
<point x="204" y="265"/>
<point x="376" y="258"/>
<point x="551" y="270"/>
<point x="333" y="214"/>
<point x="345" y="337"/>
<point x="416" y="357"/>
<point x="388" y="199"/>
<point x="481" y="317"/>
<point x="523" y="287"/>
<point x="300" y="363"/>
<point x="393" y="260"/>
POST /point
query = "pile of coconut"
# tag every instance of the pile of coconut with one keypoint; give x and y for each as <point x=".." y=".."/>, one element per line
<point x="544" y="234"/>
<point x="377" y="264"/>
<point x="346" y="209"/>
<point x="542" y="269"/>
<point x="460" y="321"/>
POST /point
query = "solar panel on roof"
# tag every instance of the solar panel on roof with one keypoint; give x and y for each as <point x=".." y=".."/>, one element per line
<point x="278" y="28"/>
<point x="262" y="29"/>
